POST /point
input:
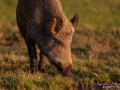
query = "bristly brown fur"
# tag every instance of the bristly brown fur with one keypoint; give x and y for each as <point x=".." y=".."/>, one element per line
<point x="44" y="23"/>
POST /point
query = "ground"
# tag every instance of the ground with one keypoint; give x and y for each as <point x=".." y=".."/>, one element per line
<point x="95" y="50"/>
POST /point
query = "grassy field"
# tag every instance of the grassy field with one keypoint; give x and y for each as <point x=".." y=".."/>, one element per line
<point x="95" y="49"/>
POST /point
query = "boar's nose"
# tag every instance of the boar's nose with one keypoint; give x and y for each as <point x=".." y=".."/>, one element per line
<point x="67" y="71"/>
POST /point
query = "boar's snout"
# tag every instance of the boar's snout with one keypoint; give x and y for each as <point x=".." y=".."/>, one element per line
<point x="63" y="62"/>
<point x="64" y="69"/>
<point x="68" y="70"/>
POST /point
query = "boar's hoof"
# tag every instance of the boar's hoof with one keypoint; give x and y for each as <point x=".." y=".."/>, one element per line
<point x="33" y="66"/>
<point x="33" y="69"/>
<point x="41" y="68"/>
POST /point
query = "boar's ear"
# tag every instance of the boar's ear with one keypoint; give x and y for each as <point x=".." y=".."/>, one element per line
<point x="75" y="19"/>
<point x="57" y="24"/>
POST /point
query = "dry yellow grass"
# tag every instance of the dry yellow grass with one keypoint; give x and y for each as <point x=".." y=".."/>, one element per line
<point x="95" y="49"/>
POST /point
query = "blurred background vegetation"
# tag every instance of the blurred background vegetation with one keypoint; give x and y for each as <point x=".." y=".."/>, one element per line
<point x="98" y="27"/>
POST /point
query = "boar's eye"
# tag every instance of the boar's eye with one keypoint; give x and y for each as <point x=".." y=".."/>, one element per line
<point x="58" y="42"/>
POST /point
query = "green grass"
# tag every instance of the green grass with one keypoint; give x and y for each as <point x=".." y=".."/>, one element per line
<point x="95" y="49"/>
<point x="94" y="12"/>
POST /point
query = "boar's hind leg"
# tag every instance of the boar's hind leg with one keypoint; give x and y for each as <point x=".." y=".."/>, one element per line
<point x="32" y="54"/>
<point x="42" y="62"/>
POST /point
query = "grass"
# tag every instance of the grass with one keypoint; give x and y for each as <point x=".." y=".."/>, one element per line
<point x="95" y="49"/>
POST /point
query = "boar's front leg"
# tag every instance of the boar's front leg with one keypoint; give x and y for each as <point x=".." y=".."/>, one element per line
<point x="42" y="62"/>
<point x="32" y="54"/>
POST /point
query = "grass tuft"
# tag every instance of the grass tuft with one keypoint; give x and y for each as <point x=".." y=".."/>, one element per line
<point x="95" y="49"/>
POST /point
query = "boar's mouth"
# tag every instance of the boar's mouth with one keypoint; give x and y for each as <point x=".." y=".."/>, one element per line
<point x="64" y="71"/>
<point x="57" y="64"/>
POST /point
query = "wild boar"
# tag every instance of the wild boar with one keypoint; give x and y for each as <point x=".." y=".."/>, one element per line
<point x="43" y="23"/>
